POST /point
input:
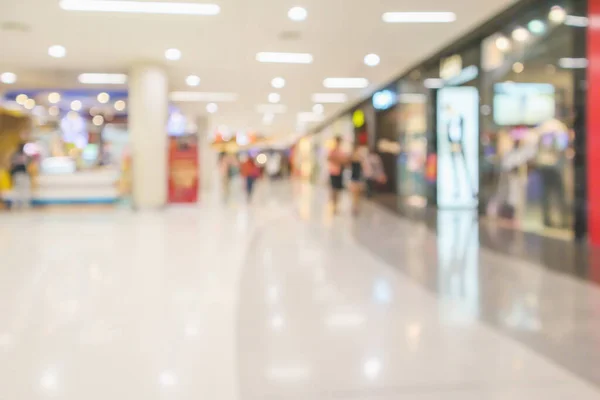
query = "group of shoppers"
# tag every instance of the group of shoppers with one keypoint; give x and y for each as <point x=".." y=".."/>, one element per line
<point x="366" y="172"/>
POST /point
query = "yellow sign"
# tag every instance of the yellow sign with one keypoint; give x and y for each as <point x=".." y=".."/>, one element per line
<point x="358" y="118"/>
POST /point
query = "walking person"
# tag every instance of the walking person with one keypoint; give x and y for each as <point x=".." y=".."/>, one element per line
<point x="335" y="163"/>
<point x="357" y="161"/>
<point x="251" y="172"/>
<point x="21" y="180"/>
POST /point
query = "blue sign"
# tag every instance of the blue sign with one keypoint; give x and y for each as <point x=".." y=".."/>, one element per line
<point x="384" y="99"/>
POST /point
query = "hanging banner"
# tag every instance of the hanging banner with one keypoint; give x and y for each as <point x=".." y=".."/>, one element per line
<point x="183" y="170"/>
<point x="458" y="147"/>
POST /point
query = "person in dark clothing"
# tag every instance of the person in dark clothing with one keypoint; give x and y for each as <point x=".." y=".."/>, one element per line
<point x="21" y="181"/>
<point x="455" y="129"/>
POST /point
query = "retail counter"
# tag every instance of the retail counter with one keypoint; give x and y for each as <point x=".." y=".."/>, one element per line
<point x="81" y="187"/>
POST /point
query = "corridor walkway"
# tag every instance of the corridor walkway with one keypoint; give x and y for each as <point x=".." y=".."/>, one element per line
<point x="280" y="300"/>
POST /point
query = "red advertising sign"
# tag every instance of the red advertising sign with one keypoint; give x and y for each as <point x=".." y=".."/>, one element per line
<point x="183" y="170"/>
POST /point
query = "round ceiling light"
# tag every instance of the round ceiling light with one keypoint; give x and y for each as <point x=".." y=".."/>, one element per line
<point x="76" y="105"/>
<point x="103" y="98"/>
<point x="536" y="27"/>
<point x="120" y="105"/>
<point x="318" y="109"/>
<point x="54" y="97"/>
<point x="57" y="51"/>
<point x="173" y="54"/>
<point x="274" y="97"/>
<point x="21" y="99"/>
<point x="8" y="78"/>
<point x="503" y="43"/>
<point x="372" y="60"/>
<point x="520" y="34"/>
<point x="278" y="82"/>
<point x="518" y="67"/>
<point x="29" y="104"/>
<point x="192" y="80"/>
<point x="557" y="14"/>
<point x="54" y="111"/>
<point x="297" y="13"/>
<point x="98" y="120"/>
<point x="212" y="108"/>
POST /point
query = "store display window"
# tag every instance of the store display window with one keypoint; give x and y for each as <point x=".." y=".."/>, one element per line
<point x="527" y="114"/>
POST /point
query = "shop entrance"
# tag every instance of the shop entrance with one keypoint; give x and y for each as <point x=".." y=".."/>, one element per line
<point x="387" y="146"/>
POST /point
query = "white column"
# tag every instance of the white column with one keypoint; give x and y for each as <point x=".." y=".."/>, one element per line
<point x="148" y="109"/>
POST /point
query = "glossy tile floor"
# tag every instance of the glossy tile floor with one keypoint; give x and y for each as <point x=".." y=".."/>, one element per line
<point x="280" y="300"/>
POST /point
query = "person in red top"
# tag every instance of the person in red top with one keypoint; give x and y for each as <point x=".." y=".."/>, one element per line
<point x="251" y="172"/>
<point x="336" y="160"/>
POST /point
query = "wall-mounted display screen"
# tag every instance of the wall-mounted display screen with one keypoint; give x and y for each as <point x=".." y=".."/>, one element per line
<point x="458" y="147"/>
<point x="523" y="103"/>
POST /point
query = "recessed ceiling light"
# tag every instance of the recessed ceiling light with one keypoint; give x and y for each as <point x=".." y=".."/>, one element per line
<point x="345" y="83"/>
<point x="142" y="7"/>
<point x="318" y="109"/>
<point x="103" y="98"/>
<point x="21" y="99"/>
<point x="54" y="111"/>
<point x="76" y="105"/>
<point x="520" y="34"/>
<point x="503" y="43"/>
<point x="102" y="79"/>
<point x="57" y="51"/>
<point x="372" y="60"/>
<point x="419" y="17"/>
<point x="518" y="67"/>
<point x="212" y="108"/>
<point x="98" y="120"/>
<point x="274" y="97"/>
<point x="285" y="58"/>
<point x="329" y="98"/>
<point x="203" y="96"/>
<point x="173" y="54"/>
<point x="278" y="82"/>
<point x="192" y="80"/>
<point x="536" y="27"/>
<point x="29" y="104"/>
<point x="309" y="117"/>
<point x="120" y="105"/>
<point x="8" y="78"/>
<point x="557" y="14"/>
<point x="54" y="98"/>
<point x="297" y="13"/>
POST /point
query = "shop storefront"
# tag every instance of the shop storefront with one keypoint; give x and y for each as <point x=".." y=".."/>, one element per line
<point x="493" y="123"/>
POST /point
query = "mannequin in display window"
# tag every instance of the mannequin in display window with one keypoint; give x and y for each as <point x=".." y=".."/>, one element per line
<point x="455" y="129"/>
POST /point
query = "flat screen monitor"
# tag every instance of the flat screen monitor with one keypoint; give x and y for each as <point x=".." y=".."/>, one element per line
<point x="523" y="103"/>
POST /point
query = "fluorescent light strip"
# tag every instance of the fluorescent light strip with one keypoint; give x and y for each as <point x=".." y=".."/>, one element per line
<point x="329" y="98"/>
<point x="573" y="63"/>
<point x="102" y="79"/>
<point x="285" y="58"/>
<point x="271" y="108"/>
<point x="576" y="21"/>
<point x="203" y="96"/>
<point x="345" y="83"/>
<point x="140" y="7"/>
<point x="418" y="17"/>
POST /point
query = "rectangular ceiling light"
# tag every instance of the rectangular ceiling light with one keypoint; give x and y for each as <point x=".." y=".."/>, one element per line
<point x="140" y="7"/>
<point x="271" y="108"/>
<point x="418" y="17"/>
<point x="284" y="58"/>
<point x="329" y="98"/>
<point x="345" y="83"/>
<point x="203" y="97"/>
<point x="573" y="63"/>
<point x="102" y="79"/>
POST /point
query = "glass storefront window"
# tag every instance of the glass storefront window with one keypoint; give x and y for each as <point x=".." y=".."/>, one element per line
<point x="527" y="113"/>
